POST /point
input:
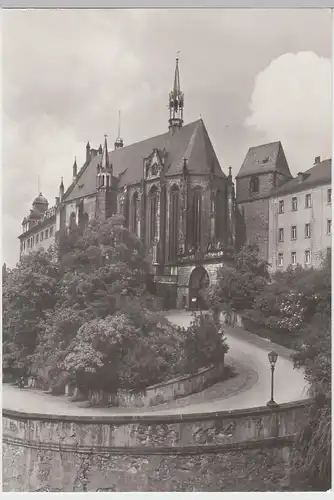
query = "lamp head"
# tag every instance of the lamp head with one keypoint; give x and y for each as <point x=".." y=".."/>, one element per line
<point x="272" y="358"/>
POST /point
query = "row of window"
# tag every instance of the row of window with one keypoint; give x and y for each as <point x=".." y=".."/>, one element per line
<point x="293" y="261"/>
<point x="307" y="258"/>
<point x="307" y="231"/>
<point x="308" y="202"/>
<point x="33" y="240"/>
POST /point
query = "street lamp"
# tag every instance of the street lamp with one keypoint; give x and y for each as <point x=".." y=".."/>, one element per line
<point x="272" y="360"/>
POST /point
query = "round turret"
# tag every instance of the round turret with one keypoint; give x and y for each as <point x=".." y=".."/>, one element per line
<point x="40" y="203"/>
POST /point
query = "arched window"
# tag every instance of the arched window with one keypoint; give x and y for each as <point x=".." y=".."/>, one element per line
<point x="254" y="184"/>
<point x="220" y="215"/>
<point x="173" y="222"/>
<point x="134" y="214"/>
<point x="153" y="207"/>
<point x="196" y="215"/>
<point x="72" y="221"/>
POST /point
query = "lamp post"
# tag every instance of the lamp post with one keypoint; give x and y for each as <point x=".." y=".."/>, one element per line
<point x="272" y="360"/>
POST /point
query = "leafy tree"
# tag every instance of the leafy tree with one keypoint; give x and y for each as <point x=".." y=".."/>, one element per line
<point x="131" y="349"/>
<point x="27" y="296"/>
<point x="312" y="460"/>
<point x="204" y="343"/>
<point x="292" y="299"/>
<point x="240" y="280"/>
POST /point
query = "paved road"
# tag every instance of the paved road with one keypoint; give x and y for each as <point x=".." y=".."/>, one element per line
<point x="289" y="384"/>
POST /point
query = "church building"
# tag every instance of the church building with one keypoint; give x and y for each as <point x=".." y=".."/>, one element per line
<point x="172" y="193"/>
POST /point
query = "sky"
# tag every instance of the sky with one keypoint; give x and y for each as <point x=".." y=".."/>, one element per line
<point x="254" y="76"/>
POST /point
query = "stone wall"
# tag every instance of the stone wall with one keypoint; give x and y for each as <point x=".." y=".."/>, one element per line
<point x="163" y="392"/>
<point x="243" y="450"/>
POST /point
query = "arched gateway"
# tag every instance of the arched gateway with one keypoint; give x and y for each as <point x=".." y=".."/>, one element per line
<point x="198" y="282"/>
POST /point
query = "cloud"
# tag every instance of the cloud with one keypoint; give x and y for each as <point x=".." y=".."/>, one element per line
<point x="291" y="102"/>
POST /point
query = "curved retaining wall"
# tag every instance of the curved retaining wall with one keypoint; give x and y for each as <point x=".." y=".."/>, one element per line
<point x="163" y="392"/>
<point x="243" y="450"/>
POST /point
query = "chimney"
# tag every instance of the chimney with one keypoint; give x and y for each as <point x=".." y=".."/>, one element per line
<point x="301" y="176"/>
<point x="316" y="160"/>
<point x="230" y="171"/>
<point x="57" y="201"/>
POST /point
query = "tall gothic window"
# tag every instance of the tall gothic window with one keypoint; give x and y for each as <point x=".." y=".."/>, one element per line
<point x="153" y="208"/>
<point x="135" y="214"/>
<point x="173" y="222"/>
<point x="196" y="215"/>
<point x="72" y="221"/>
<point x="220" y="215"/>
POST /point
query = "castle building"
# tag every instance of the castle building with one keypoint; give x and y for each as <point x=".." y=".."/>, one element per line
<point x="172" y="194"/>
<point x="39" y="227"/>
<point x="300" y="219"/>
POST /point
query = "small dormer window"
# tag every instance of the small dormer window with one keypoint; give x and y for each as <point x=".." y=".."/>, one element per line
<point x="254" y="184"/>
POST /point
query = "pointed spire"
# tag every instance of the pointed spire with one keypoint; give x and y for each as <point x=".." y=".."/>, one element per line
<point x="119" y="141"/>
<point x="100" y="149"/>
<point x="177" y="88"/>
<point x="88" y="145"/>
<point x="75" y="169"/>
<point x="105" y="155"/>
<point x="176" y="101"/>
<point x="61" y="190"/>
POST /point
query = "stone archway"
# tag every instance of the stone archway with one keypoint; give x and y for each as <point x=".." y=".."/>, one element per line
<point x="198" y="282"/>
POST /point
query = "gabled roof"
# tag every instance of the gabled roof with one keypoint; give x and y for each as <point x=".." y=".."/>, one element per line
<point x="191" y="141"/>
<point x="319" y="174"/>
<point x="265" y="158"/>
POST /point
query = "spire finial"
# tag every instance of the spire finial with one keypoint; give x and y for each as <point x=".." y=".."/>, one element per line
<point x="105" y="155"/>
<point x="176" y="100"/>
<point x="119" y="141"/>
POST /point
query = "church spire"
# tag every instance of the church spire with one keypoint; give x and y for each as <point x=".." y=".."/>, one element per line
<point x="105" y="155"/>
<point x="119" y="141"/>
<point x="176" y="101"/>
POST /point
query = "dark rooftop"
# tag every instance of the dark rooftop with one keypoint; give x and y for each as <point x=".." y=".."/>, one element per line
<point x="319" y="174"/>
<point x="191" y="142"/>
<point x="265" y="158"/>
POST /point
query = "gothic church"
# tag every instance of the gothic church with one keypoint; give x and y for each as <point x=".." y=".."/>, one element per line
<point x="171" y="192"/>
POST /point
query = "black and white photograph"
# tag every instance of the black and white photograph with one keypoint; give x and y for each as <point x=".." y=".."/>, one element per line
<point x="166" y="250"/>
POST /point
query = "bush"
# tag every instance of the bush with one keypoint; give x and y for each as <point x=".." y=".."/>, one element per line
<point x="204" y="343"/>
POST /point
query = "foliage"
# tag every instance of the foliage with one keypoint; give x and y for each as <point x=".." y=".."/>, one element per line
<point x="88" y="317"/>
<point x="312" y="461"/>
<point x="240" y="281"/>
<point x="204" y="343"/>
<point x="136" y="347"/>
<point x="32" y="291"/>
<point x="292" y="299"/>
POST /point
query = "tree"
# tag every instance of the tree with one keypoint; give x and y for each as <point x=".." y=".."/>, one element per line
<point x="204" y="343"/>
<point x="240" y="280"/>
<point x="31" y="292"/>
<point x="130" y="349"/>
<point x="312" y="460"/>
<point x="102" y="265"/>
<point x="292" y="298"/>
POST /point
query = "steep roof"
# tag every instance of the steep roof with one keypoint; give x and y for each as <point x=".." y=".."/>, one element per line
<point x="319" y="174"/>
<point x="265" y="158"/>
<point x="191" y="141"/>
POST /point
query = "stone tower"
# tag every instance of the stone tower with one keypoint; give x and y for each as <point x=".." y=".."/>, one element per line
<point x="264" y="169"/>
<point x="105" y="194"/>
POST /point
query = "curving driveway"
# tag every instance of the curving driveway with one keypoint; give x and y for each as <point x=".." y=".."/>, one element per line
<point x="246" y="348"/>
